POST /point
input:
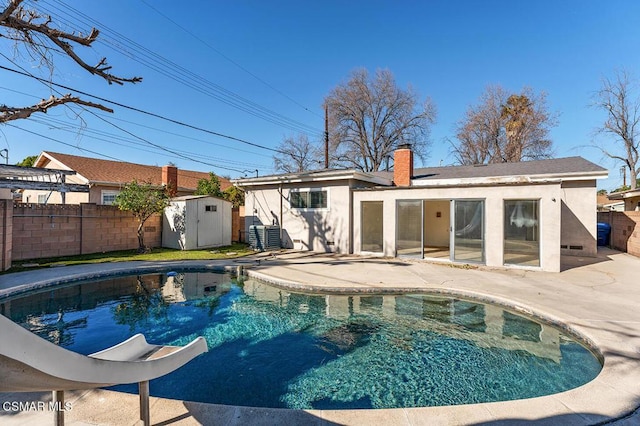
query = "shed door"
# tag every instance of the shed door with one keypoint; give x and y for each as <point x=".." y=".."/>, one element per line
<point x="209" y="223"/>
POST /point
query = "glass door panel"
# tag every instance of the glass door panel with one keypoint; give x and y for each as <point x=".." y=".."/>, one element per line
<point x="409" y="228"/>
<point x="521" y="232"/>
<point x="468" y="233"/>
<point x="372" y="226"/>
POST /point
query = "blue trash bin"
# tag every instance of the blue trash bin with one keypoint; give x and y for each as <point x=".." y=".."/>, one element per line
<point x="604" y="232"/>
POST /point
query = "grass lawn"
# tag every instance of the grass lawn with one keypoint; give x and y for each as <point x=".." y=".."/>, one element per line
<point x="157" y="254"/>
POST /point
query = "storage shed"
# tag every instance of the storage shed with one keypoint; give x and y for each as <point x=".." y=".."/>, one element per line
<point x="195" y="222"/>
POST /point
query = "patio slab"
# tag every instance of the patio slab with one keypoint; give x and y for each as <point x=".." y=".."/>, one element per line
<point x="595" y="297"/>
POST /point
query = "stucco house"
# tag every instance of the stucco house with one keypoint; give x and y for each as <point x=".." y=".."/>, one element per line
<point x="523" y="214"/>
<point x="630" y="199"/>
<point x="105" y="178"/>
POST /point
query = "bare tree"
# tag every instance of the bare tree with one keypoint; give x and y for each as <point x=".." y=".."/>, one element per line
<point x="480" y="134"/>
<point x="505" y="128"/>
<point x="617" y="98"/>
<point x="296" y="154"/>
<point x="370" y="117"/>
<point x="34" y="31"/>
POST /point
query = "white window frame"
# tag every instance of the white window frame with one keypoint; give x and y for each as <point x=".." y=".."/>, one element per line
<point x="310" y="190"/>
<point x="108" y="192"/>
<point x="42" y="198"/>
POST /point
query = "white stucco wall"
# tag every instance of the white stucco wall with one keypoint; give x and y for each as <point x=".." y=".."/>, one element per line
<point x="579" y="218"/>
<point x="567" y="216"/>
<point x="549" y="196"/>
<point x="323" y="230"/>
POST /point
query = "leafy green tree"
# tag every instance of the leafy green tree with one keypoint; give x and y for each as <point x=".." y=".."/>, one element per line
<point x="627" y="187"/>
<point x="209" y="186"/>
<point x="143" y="200"/>
<point x="235" y="195"/>
<point x="28" y="161"/>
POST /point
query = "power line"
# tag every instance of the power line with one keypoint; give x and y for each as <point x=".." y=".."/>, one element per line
<point x="151" y="128"/>
<point x="171" y="120"/>
<point x="119" y="128"/>
<point x="63" y="143"/>
<point x="180" y="74"/>
<point x="186" y="30"/>
<point x="112" y="138"/>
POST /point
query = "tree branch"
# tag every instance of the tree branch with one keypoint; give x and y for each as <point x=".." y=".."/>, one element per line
<point x="22" y="21"/>
<point x="9" y="113"/>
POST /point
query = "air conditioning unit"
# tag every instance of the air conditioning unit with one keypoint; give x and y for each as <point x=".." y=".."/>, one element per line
<point x="264" y="237"/>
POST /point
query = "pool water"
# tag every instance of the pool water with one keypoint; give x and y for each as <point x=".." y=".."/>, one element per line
<point x="270" y="347"/>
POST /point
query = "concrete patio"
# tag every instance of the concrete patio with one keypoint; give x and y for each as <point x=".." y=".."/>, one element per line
<point x="596" y="297"/>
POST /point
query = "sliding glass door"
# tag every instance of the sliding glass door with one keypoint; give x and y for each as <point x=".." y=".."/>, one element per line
<point x="521" y="232"/>
<point x="468" y="232"/>
<point x="409" y="228"/>
<point x="425" y="228"/>
<point x="371" y="224"/>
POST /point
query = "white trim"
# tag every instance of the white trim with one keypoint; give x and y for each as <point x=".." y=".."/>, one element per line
<point x="505" y="180"/>
<point x="108" y="192"/>
<point x="324" y="176"/>
<point x="310" y="209"/>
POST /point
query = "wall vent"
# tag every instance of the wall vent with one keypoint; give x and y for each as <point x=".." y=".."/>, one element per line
<point x="575" y="248"/>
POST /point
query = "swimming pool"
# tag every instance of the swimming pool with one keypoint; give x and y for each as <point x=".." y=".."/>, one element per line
<point x="271" y="347"/>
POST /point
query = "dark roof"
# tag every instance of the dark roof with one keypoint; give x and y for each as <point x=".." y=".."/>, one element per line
<point x="555" y="166"/>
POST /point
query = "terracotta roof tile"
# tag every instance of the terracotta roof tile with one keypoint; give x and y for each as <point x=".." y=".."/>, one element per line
<point x="119" y="172"/>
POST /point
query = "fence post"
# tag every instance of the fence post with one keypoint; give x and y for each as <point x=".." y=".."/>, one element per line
<point x="6" y="236"/>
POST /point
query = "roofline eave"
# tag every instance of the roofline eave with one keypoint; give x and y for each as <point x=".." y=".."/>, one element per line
<point x="319" y="177"/>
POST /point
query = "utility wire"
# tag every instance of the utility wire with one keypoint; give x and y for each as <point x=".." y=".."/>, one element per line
<point x="182" y="75"/>
<point x="186" y="30"/>
<point x="125" y="142"/>
<point x="150" y="128"/>
<point x="161" y="117"/>
<point x="118" y="127"/>
<point x="63" y="143"/>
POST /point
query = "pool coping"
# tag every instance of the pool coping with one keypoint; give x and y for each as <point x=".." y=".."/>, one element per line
<point x="613" y="395"/>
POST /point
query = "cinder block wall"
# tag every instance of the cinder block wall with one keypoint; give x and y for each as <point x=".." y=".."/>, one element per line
<point x="625" y="230"/>
<point x="63" y="230"/>
<point x="6" y="231"/>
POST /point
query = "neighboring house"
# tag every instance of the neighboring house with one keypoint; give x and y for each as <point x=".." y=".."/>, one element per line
<point x="106" y="178"/>
<point x="630" y="199"/>
<point x="524" y="214"/>
<point x="607" y="205"/>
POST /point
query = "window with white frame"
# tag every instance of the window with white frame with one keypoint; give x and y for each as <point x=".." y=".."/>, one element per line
<point x="109" y="197"/>
<point x="42" y="198"/>
<point x="309" y="199"/>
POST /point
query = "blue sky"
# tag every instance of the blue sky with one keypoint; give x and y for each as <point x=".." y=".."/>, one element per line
<point x="284" y="57"/>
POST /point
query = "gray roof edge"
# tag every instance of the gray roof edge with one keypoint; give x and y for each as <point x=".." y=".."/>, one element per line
<point x="316" y="175"/>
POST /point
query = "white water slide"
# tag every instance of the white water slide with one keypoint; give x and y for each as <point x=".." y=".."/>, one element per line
<point x="29" y="363"/>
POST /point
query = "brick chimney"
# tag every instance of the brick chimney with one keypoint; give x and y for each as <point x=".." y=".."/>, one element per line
<point x="403" y="165"/>
<point x="170" y="179"/>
